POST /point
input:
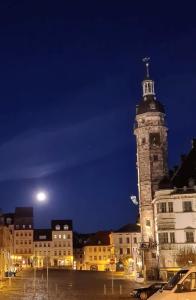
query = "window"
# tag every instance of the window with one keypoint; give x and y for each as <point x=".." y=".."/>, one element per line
<point x="148" y="223"/>
<point x="23" y="226"/>
<point x="121" y="251"/>
<point x="90" y="257"/>
<point x="128" y="240"/>
<point x="143" y="141"/>
<point x="172" y="237"/>
<point x="68" y="236"/>
<point x="120" y="240"/>
<point x="170" y="206"/>
<point x="162" y="207"/>
<point x="103" y="249"/>
<point x="99" y="257"/>
<point x="189" y="237"/>
<point x="95" y="249"/>
<point x="64" y="236"/>
<point x="155" y="158"/>
<point x="59" y="236"/>
<point x="59" y="252"/>
<point x="153" y="255"/>
<point x="155" y="139"/>
<point x="55" y="236"/>
<point x="128" y="251"/>
<point x="187" y="206"/>
<point x="65" y="227"/>
<point x="163" y="238"/>
<point x="30" y="226"/>
<point x="57" y="227"/>
<point x="95" y="257"/>
<point x="135" y="240"/>
<point x="17" y="226"/>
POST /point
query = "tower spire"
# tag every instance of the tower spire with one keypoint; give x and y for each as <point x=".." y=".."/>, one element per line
<point x="148" y="84"/>
<point x="146" y="60"/>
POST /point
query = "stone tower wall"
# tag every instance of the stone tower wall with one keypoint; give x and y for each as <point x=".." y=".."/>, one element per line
<point x="151" y="137"/>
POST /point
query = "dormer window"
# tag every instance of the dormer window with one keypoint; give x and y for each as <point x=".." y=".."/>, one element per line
<point x="57" y="227"/>
<point x="65" y="227"/>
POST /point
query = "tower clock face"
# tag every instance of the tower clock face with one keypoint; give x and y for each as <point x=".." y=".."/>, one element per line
<point x="155" y="139"/>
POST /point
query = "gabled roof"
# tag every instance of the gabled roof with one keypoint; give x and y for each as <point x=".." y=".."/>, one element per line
<point x="129" y="228"/>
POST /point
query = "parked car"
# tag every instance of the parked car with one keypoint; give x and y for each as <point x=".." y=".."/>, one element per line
<point x="145" y="292"/>
<point x="182" y="286"/>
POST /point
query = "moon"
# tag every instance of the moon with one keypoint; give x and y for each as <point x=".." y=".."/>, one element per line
<point x="41" y="196"/>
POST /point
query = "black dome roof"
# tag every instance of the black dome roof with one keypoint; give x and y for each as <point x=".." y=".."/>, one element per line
<point x="149" y="105"/>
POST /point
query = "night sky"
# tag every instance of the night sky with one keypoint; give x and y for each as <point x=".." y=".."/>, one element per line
<point x="70" y="78"/>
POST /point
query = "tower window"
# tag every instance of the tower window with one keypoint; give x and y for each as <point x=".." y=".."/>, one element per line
<point x="143" y="141"/>
<point x="155" y="158"/>
<point x="155" y="139"/>
<point x="148" y="223"/>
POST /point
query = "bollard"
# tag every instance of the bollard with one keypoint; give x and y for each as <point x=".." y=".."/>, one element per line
<point x="120" y="289"/>
<point x="104" y="290"/>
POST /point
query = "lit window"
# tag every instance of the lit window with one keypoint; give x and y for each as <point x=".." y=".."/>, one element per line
<point x="65" y="227"/>
<point x="23" y="226"/>
<point x="30" y="226"/>
<point x="57" y="227"/>
<point x="55" y="236"/>
<point x="64" y="236"/>
<point x="59" y="236"/>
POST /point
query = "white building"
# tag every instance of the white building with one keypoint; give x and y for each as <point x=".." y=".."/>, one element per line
<point x="175" y="214"/>
<point x="126" y="242"/>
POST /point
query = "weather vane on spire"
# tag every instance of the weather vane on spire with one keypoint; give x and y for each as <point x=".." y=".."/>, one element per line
<point x="146" y="60"/>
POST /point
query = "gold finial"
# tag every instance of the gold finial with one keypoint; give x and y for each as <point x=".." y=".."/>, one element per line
<point x="146" y="60"/>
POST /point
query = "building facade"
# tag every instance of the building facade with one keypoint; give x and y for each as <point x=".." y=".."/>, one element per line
<point x="62" y="237"/>
<point x="175" y="214"/>
<point x="99" y="253"/>
<point x="126" y="243"/>
<point x="23" y="236"/>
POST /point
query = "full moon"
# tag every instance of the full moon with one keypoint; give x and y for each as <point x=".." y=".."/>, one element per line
<point x="41" y="196"/>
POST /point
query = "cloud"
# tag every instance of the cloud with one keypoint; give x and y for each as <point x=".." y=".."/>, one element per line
<point x="38" y="153"/>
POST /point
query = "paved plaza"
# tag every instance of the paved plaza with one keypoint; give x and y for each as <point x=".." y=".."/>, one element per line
<point x="69" y="285"/>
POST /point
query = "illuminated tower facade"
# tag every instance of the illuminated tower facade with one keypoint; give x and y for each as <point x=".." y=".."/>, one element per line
<point x="151" y="138"/>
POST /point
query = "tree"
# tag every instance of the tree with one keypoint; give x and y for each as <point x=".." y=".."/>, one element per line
<point x="186" y="256"/>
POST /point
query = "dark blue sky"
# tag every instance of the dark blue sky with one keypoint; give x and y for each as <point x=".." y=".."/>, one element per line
<point x="70" y="78"/>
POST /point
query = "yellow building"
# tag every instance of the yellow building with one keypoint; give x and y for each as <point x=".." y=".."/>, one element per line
<point x="98" y="252"/>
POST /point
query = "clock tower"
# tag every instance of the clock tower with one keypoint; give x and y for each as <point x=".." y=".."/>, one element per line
<point x="151" y="138"/>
